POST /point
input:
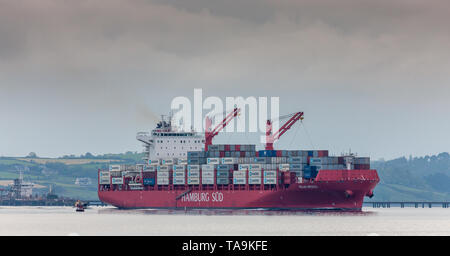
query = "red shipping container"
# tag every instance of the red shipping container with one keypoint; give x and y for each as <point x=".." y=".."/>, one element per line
<point x="242" y="154"/>
<point x="293" y="177"/>
<point x="237" y="147"/>
<point x="287" y="177"/>
<point x="279" y="153"/>
<point x="222" y="154"/>
<point x="227" y="147"/>
<point x="322" y="153"/>
<point x="257" y="154"/>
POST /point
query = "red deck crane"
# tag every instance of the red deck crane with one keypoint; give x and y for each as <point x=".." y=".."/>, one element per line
<point x="272" y="137"/>
<point x="209" y="135"/>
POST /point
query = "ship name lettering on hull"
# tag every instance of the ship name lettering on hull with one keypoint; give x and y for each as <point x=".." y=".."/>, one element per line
<point x="203" y="197"/>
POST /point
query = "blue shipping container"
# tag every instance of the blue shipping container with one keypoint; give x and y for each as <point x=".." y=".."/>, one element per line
<point x="149" y="181"/>
<point x="224" y="167"/>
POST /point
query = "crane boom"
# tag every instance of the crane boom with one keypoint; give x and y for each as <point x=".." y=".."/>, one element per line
<point x="209" y="135"/>
<point x="272" y="137"/>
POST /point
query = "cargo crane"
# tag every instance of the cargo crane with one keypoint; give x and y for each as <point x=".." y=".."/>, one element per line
<point x="209" y="135"/>
<point x="272" y="137"/>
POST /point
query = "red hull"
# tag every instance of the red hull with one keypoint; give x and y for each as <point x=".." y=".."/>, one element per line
<point x="332" y="189"/>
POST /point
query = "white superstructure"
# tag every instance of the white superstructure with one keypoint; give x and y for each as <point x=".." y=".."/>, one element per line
<point x="166" y="141"/>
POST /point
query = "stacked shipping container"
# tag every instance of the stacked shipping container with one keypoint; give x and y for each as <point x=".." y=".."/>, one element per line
<point x="243" y="162"/>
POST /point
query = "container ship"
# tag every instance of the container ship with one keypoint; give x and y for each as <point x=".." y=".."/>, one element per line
<point x="184" y="170"/>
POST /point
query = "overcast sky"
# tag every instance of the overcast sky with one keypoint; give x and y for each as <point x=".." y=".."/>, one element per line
<point x="85" y="76"/>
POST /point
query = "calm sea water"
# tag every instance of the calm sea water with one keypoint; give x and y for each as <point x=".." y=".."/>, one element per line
<point x="111" y="221"/>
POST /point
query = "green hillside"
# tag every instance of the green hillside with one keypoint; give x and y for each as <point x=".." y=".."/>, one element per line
<point x="61" y="173"/>
<point x="419" y="178"/>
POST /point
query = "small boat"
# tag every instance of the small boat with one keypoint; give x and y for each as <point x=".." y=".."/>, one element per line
<point x="79" y="206"/>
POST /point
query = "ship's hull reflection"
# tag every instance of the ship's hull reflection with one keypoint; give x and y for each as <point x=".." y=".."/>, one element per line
<point x="230" y="212"/>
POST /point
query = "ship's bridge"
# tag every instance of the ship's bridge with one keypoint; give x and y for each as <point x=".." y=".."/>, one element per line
<point x="167" y="141"/>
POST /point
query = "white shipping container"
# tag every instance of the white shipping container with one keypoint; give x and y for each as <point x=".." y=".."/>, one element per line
<point x="162" y="181"/>
<point x="179" y="181"/>
<point x="193" y="174"/>
<point x="239" y="174"/>
<point x="182" y="161"/>
<point x="297" y="160"/>
<point x="283" y="167"/>
<point x="104" y="180"/>
<point x="270" y="180"/>
<point x="213" y="160"/>
<point x="255" y="167"/>
<point x="254" y="180"/>
<point x="153" y="162"/>
<point x="179" y="167"/>
<point x="167" y="161"/>
<point x="150" y="168"/>
<point x="164" y="174"/>
<point x="228" y="160"/>
<point x="297" y="167"/>
<point x="114" y="167"/>
<point x="180" y="174"/>
<point x="208" y="181"/>
<point x="164" y="168"/>
<point x="117" y="180"/>
<point x="254" y="174"/>
<point x="207" y="174"/>
<point x="193" y="167"/>
<point x="105" y="174"/>
<point x="244" y="167"/>
<point x="208" y="167"/>
<point x="268" y="174"/>
<point x="239" y="181"/>
<point x="193" y="181"/>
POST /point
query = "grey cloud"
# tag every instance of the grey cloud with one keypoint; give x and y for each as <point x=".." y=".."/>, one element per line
<point x="111" y="61"/>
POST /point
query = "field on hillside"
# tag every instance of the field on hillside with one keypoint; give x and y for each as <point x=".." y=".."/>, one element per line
<point x="66" y="161"/>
